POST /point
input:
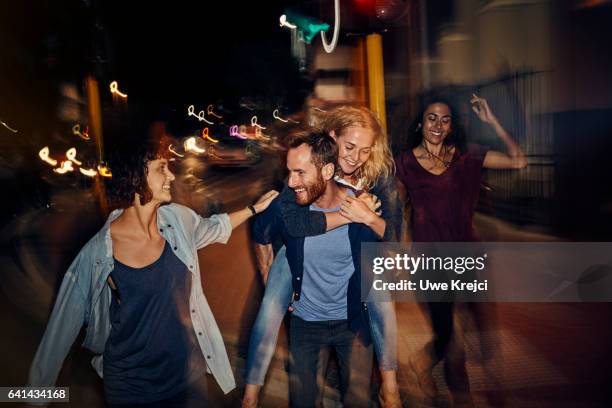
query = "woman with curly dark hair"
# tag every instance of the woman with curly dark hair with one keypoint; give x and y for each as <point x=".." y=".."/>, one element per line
<point x="442" y="175"/>
<point x="136" y="286"/>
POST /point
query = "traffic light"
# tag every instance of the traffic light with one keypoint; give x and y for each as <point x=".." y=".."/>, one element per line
<point x="367" y="16"/>
<point x="308" y="26"/>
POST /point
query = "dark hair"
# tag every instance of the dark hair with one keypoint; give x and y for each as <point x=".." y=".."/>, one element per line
<point x="324" y="149"/>
<point x="128" y="162"/>
<point x="455" y="138"/>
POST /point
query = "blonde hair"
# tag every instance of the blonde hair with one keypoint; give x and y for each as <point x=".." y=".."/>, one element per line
<point x="380" y="164"/>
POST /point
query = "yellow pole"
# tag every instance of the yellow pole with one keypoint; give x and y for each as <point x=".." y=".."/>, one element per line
<point x="95" y="129"/>
<point x="94" y="112"/>
<point x="376" y="77"/>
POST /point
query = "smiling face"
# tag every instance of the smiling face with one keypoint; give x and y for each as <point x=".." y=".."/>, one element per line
<point x="159" y="179"/>
<point x="437" y="123"/>
<point x="354" y="148"/>
<point x="304" y="177"/>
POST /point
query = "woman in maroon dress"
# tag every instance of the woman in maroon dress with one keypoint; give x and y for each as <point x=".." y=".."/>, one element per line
<point x="442" y="177"/>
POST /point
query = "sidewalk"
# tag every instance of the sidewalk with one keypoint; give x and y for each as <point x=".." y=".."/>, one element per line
<point x="544" y="355"/>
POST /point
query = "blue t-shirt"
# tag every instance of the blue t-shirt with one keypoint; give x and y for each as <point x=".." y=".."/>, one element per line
<point x="328" y="266"/>
<point x="152" y="352"/>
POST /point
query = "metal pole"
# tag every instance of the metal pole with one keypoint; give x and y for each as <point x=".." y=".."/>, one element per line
<point x="95" y="130"/>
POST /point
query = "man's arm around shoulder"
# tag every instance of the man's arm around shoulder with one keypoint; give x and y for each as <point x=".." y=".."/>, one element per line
<point x="265" y="228"/>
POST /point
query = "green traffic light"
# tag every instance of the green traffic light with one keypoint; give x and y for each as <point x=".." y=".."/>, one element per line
<point x="309" y="26"/>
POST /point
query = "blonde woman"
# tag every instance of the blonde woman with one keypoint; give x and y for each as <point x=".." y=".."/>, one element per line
<point x="365" y="164"/>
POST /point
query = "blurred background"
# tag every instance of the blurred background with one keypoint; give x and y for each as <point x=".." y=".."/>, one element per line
<point x="226" y="82"/>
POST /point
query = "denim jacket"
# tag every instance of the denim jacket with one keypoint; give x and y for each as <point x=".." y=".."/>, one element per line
<point x="84" y="296"/>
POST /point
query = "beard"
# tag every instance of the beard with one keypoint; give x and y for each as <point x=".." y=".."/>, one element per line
<point x="312" y="191"/>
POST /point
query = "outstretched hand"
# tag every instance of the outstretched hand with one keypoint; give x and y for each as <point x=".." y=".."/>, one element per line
<point x="265" y="200"/>
<point x="481" y="108"/>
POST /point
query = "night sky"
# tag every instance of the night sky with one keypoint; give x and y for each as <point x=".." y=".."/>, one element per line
<point x="165" y="55"/>
<point x="200" y="51"/>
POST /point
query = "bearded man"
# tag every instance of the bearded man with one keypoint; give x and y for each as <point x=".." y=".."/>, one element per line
<point x="327" y="307"/>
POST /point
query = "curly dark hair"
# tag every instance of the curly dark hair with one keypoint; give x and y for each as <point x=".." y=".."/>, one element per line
<point x="457" y="136"/>
<point x="128" y="163"/>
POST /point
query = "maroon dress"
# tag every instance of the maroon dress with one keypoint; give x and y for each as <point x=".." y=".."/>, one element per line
<point x="443" y="205"/>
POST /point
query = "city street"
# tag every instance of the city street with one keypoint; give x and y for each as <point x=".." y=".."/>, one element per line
<point x="532" y="355"/>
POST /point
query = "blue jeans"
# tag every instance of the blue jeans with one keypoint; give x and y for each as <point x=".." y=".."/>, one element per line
<point x="306" y="342"/>
<point x="273" y="307"/>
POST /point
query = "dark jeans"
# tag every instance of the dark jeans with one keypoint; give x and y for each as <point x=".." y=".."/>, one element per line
<point x="306" y="341"/>
<point x="195" y="396"/>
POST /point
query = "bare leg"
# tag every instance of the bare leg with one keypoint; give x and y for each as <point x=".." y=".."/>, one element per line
<point x="389" y="390"/>
<point x="251" y="396"/>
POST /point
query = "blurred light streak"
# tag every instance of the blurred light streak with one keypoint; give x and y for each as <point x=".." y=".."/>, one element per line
<point x="65" y="167"/>
<point x="329" y="48"/>
<point x="249" y="105"/>
<point x="234" y="132"/>
<point x="254" y="123"/>
<point x="275" y="116"/>
<point x="8" y="127"/>
<point x="284" y="23"/>
<point x="104" y="171"/>
<point x="199" y="116"/>
<point x="76" y="130"/>
<point x="114" y="88"/>
<point x="44" y="155"/>
<point x="71" y="155"/>
<point x="171" y="149"/>
<point x="209" y="110"/>
<point x="206" y="136"/>
<point x="190" y="146"/>
<point x="88" y="172"/>
<point x="259" y="135"/>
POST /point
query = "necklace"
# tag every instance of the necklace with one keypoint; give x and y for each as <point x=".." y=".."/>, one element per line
<point x="445" y="163"/>
<point x="355" y="178"/>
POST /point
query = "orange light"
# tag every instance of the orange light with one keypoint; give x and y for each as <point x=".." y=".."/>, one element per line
<point x="171" y="149"/>
<point x="76" y="130"/>
<point x="44" y="156"/>
<point x="71" y="155"/>
<point x="88" y="172"/>
<point x="114" y="88"/>
<point x="64" y="168"/>
<point x="209" y="110"/>
<point x="104" y="171"/>
<point x="206" y="136"/>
